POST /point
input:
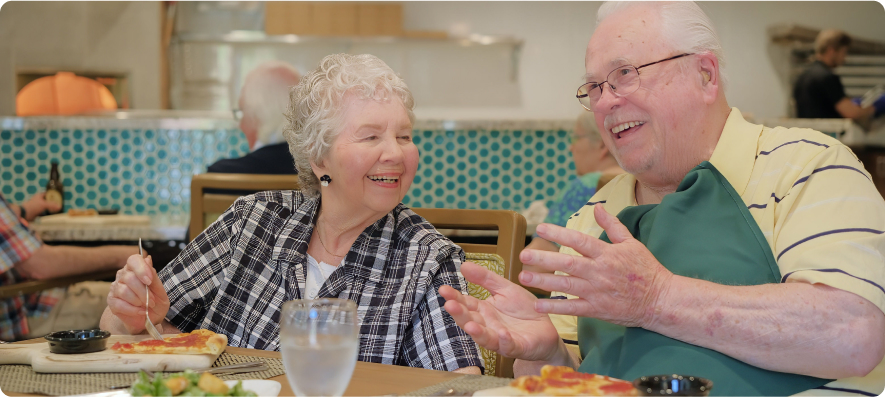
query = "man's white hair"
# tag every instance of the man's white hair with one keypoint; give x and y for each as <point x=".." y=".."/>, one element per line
<point x="684" y="26"/>
<point x="316" y="106"/>
<point x="264" y="97"/>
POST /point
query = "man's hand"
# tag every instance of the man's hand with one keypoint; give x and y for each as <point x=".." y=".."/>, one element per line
<point x="507" y="321"/>
<point x="37" y="204"/>
<point x="619" y="282"/>
<point x="879" y="105"/>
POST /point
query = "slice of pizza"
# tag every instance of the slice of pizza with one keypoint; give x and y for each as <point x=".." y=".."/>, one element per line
<point x="564" y="381"/>
<point x="200" y="341"/>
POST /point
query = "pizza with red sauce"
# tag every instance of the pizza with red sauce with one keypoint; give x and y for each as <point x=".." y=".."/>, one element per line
<point x="199" y="341"/>
<point x="564" y="381"/>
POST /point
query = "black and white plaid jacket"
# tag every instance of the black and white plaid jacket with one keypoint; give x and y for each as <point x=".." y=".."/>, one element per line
<point x="234" y="278"/>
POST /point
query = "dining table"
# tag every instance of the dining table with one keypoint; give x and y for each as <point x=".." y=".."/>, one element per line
<point x="107" y="228"/>
<point x="369" y="379"/>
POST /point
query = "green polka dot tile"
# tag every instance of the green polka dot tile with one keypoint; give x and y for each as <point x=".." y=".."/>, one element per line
<point x="119" y="167"/>
<point x="147" y="170"/>
<point x="488" y="161"/>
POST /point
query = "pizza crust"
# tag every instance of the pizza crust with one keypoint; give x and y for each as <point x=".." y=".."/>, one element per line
<point x="199" y="341"/>
<point x="216" y="343"/>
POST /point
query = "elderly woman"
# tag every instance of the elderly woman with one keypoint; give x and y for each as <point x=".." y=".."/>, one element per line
<point x="346" y="234"/>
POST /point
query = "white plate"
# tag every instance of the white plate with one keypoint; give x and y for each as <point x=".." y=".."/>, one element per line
<point x="262" y="387"/>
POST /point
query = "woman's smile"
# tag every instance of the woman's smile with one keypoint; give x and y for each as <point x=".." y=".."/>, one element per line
<point x="385" y="180"/>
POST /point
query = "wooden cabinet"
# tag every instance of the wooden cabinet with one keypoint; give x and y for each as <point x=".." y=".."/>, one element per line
<point x="379" y="19"/>
<point x="333" y="18"/>
<point x="288" y="17"/>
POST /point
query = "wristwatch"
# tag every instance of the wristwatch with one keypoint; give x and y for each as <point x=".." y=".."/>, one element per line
<point x="24" y="214"/>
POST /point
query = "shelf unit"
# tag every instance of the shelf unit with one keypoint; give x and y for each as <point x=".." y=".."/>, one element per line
<point x="207" y="69"/>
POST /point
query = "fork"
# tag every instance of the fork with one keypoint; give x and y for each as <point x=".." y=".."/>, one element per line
<point x="253" y="366"/>
<point x="148" y="325"/>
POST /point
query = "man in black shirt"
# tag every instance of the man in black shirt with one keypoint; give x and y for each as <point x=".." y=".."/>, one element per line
<point x="262" y="104"/>
<point x="263" y="100"/>
<point x="819" y="92"/>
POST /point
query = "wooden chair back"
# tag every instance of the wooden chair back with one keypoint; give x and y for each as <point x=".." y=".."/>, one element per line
<point x="205" y="207"/>
<point x="510" y="242"/>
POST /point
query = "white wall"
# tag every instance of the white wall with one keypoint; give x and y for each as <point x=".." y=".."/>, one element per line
<point x="101" y="36"/>
<point x="556" y="35"/>
<point x="123" y="36"/>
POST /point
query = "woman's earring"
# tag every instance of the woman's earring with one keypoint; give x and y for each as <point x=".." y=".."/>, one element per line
<point x="324" y="180"/>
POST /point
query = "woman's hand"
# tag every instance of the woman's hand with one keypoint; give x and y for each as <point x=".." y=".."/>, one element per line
<point x="507" y="321"/>
<point x="127" y="298"/>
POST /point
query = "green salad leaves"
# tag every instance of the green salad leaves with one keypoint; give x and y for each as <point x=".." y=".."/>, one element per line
<point x="187" y="383"/>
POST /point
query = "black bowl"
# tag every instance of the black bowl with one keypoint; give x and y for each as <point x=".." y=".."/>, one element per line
<point x="672" y="385"/>
<point x="78" y="341"/>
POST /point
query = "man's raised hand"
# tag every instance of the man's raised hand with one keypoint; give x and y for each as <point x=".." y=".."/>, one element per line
<point x="618" y="282"/>
<point x="507" y="321"/>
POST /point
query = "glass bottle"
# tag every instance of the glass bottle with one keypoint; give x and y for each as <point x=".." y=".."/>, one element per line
<point x="55" y="191"/>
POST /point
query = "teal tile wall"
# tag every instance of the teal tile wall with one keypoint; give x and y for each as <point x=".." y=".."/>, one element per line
<point x="138" y="170"/>
<point x="490" y="169"/>
<point x="144" y="167"/>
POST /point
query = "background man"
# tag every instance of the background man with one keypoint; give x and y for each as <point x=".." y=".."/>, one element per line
<point x="24" y="257"/>
<point x="819" y="93"/>
<point x="743" y="254"/>
<point x="595" y="167"/>
<point x="263" y="101"/>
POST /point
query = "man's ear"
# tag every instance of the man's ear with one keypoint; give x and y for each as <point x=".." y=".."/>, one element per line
<point x="708" y="72"/>
<point x="250" y="129"/>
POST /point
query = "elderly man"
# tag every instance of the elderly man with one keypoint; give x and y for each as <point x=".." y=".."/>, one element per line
<point x="747" y="255"/>
<point x="263" y="101"/>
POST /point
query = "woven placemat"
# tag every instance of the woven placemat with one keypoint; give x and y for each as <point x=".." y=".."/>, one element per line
<point x="464" y="385"/>
<point x="23" y="379"/>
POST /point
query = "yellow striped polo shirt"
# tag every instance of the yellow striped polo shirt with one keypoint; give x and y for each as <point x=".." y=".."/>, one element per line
<point x="813" y="201"/>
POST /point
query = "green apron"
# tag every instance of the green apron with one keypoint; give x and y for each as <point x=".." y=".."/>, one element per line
<point x="703" y="231"/>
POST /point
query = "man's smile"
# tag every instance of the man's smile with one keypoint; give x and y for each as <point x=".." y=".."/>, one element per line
<point x="618" y="129"/>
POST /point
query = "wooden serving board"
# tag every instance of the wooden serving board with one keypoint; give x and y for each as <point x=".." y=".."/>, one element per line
<point x="38" y="356"/>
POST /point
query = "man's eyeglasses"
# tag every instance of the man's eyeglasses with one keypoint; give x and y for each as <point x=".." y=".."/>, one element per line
<point x="623" y="81"/>
<point x="238" y="114"/>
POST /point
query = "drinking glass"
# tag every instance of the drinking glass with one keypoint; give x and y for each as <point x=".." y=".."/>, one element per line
<point x="319" y="342"/>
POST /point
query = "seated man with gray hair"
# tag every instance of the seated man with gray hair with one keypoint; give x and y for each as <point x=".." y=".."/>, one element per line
<point x="595" y="167"/>
<point x="261" y="114"/>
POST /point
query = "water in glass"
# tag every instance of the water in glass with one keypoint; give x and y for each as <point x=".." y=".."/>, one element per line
<point x="319" y="342"/>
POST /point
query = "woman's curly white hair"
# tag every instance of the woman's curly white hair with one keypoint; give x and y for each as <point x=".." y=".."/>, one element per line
<point x="315" y="109"/>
